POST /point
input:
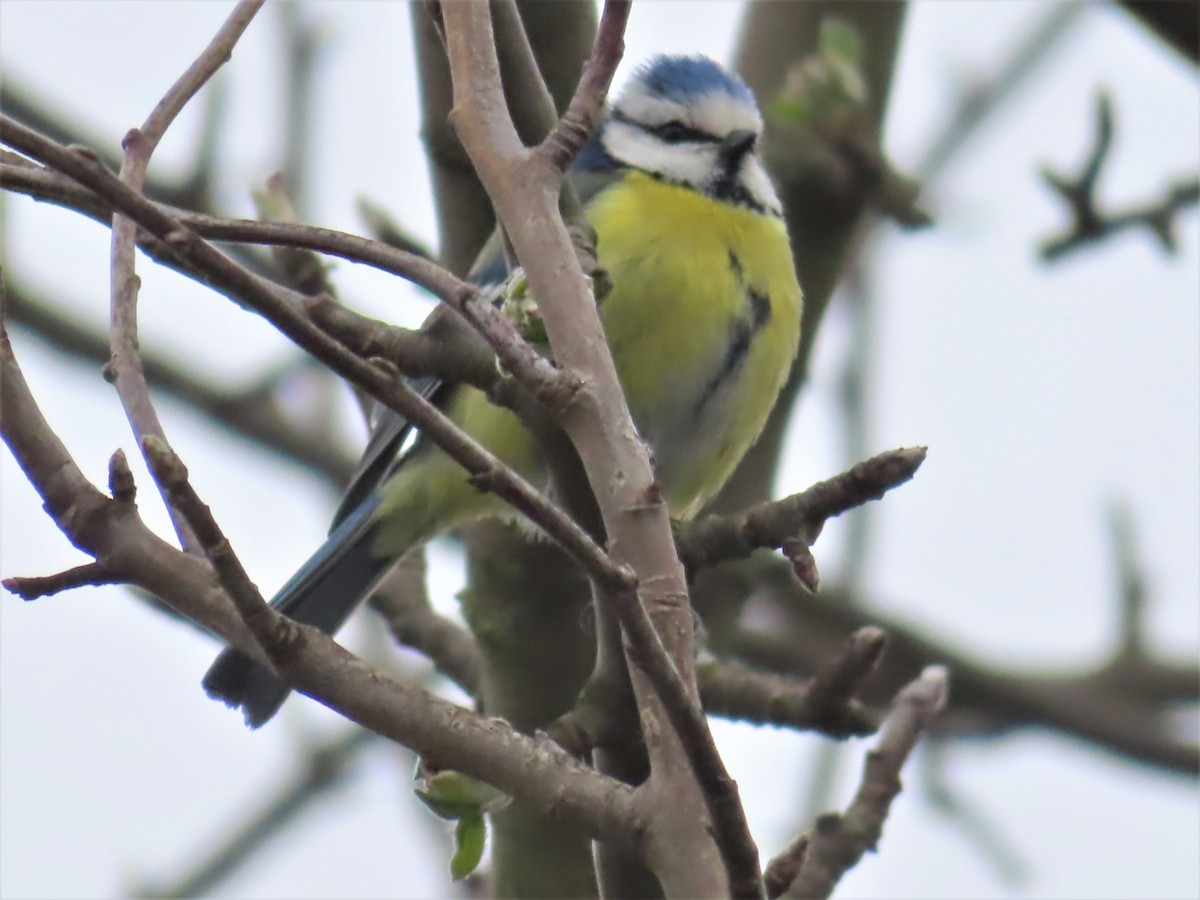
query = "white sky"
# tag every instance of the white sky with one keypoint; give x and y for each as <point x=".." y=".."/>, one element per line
<point x="1042" y="394"/>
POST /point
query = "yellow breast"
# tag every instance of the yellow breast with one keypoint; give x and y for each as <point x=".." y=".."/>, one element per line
<point x="703" y="320"/>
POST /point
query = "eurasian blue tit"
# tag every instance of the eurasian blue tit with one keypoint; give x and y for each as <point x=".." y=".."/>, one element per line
<point x="703" y="318"/>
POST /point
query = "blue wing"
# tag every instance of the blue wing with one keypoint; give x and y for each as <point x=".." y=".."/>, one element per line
<point x="342" y="572"/>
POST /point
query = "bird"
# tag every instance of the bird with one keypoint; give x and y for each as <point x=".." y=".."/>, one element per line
<point x="702" y="318"/>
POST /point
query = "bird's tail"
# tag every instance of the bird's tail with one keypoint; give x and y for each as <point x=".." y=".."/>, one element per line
<point x="322" y="593"/>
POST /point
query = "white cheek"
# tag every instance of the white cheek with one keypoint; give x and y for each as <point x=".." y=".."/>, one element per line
<point x="758" y="183"/>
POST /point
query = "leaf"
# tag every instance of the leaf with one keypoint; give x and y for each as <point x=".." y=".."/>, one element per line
<point x="470" y="837"/>
<point x="794" y="108"/>
<point x="453" y="795"/>
<point x="839" y="41"/>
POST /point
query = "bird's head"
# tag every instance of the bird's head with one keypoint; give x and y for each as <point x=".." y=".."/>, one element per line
<point x="691" y="122"/>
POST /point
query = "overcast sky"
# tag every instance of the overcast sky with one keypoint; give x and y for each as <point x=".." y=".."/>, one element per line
<point x="1042" y="393"/>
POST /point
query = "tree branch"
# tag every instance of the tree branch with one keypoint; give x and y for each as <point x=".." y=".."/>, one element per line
<point x="88" y="575"/>
<point x="438" y="352"/>
<point x="282" y="308"/>
<point x="524" y="191"/>
<point x="1177" y="22"/>
<point x="577" y="123"/>
<point x="404" y="605"/>
<point x="1089" y="224"/>
<point x="797" y="519"/>
<point x="732" y="691"/>
<point x="125" y="367"/>
<point x="21" y="105"/>
<point x="533" y="770"/>
<point x="839" y="841"/>
<point x="1124" y="708"/>
<point x="253" y="412"/>
<point x="272" y="631"/>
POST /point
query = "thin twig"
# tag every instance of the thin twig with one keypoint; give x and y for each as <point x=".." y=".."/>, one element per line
<point x="836" y="682"/>
<point x="576" y="124"/>
<point x="301" y="269"/>
<point x="551" y="386"/>
<point x="404" y="605"/>
<point x="1131" y="583"/>
<point x="40" y="115"/>
<point x="302" y="41"/>
<point x="388" y="230"/>
<point x="271" y="630"/>
<point x="1090" y="224"/>
<point x="839" y="841"/>
<point x="532" y="769"/>
<point x="524" y="191"/>
<point x="90" y="574"/>
<point x="715" y="539"/>
<point x="254" y="413"/>
<point x="282" y="307"/>
<point x="1126" y="710"/>
<point x="733" y="691"/>
<point x="1177" y="23"/>
<point x="417" y="353"/>
<point x="783" y="869"/>
<point x="731" y="830"/>
<point x="969" y="819"/>
<point x="125" y="367"/>
<point x="981" y="100"/>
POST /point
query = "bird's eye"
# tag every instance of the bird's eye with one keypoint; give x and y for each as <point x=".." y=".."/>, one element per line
<point x="675" y="132"/>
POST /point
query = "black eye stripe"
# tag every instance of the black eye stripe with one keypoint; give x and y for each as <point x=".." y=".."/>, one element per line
<point x="677" y="133"/>
<point x="673" y="132"/>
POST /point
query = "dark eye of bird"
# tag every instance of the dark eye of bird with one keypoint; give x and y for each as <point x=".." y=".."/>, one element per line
<point x="675" y="132"/>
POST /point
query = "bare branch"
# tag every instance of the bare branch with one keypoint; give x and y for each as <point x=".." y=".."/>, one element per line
<point x="576" y="124"/>
<point x="1091" y="225"/>
<point x="1131" y="584"/>
<point x="415" y="353"/>
<point x="404" y="605"/>
<point x="271" y="630"/>
<point x="720" y="793"/>
<point x="839" y="841"/>
<point x="282" y="308"/>
<point x="800" y="517"/>
<point x="125" y="367"/>
<point x="783" y="869"/>
<point x="302" y="269"/>
<point x="839" y="679"/>
<point x="387" y="230"/>
<point x="534" y="770"/>
<point x="550" y="386"/>
<point x="732" y="691"/>
<point x="88" y="575"/>
<point x="1126" y="709"/>
<point x="254" y="413"/>
<point x="1177" y="22"/>
<point x="66" y="494"/>
<point x="302" y="44"/>
<point x="657" y="620"/>
<point x="980" y="99"/>
<point x="36" y="113"/>
<point x="968" y="820"/>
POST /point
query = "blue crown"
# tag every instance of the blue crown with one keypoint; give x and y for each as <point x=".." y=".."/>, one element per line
<point x="677" y="78"/>
<point x="681" y="78"/>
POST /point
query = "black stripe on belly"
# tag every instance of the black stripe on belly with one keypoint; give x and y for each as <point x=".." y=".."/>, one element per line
<point x="741" y="333"/>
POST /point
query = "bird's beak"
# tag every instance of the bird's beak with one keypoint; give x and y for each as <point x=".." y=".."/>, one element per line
<point x="736" y="145"/>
